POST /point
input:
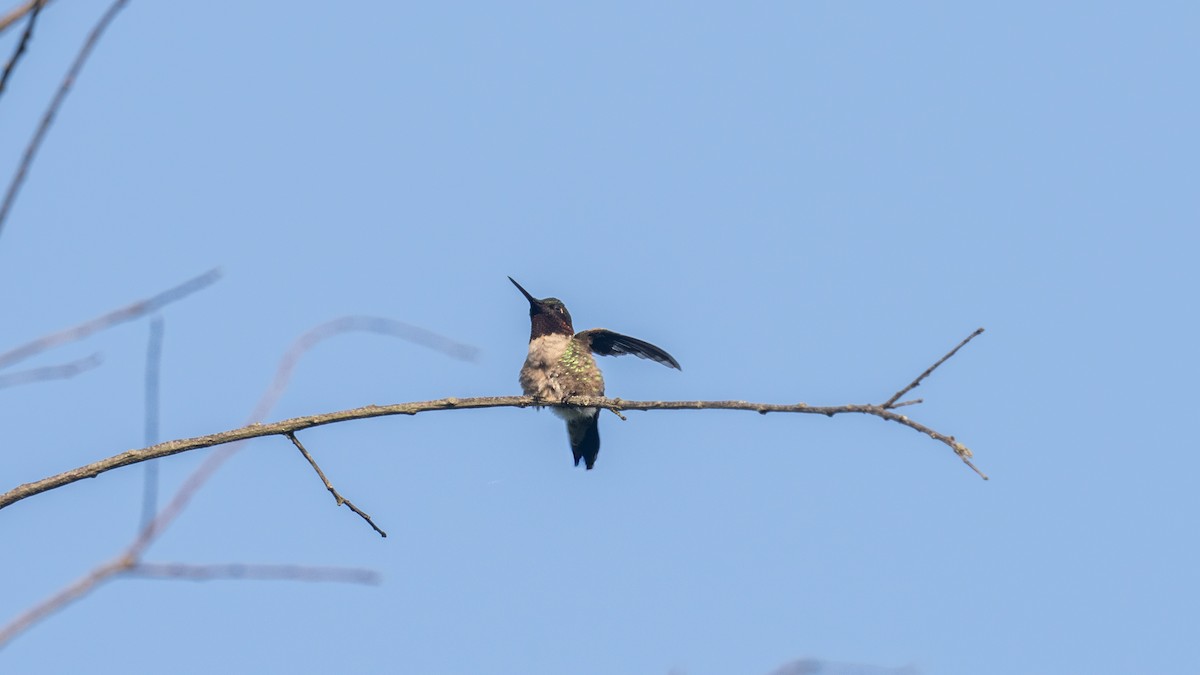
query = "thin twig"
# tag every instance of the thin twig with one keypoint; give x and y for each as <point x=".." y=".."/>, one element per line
<point x="21" y="45"/>
<point x="35" y="142"/>
<point x="127" y="313"/>
<point x="349" y="575"/>
<point x="58" y="372"/>
<point x="337" y="497"/>
<point x="917" y="382"/>
<point x="271" y="396"/>
<point x="914" y="401"/>
<point x="150" y="437"/>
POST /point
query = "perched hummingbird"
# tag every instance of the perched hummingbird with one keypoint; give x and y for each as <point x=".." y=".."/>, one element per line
<point x="560" y="364"/>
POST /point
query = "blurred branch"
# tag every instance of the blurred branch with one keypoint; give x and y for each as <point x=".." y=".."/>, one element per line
<point x="150" y="418"/>
<point x="21" y="44"/>
<point x="64" y="597"/>
<point x="347" y="324"/>
<point x="113" y="318"/>
<point x="19" y="11"/>
<point x="127" y="566"/>
<point x="337" y="496"/>
<point x="14" y="187"/>
<point x="347" y="575"/>
<point x="291" y="426"/>
<point x="59" y="372"/>
<point x="823" y="667"/>
<point x="129" y="559"/>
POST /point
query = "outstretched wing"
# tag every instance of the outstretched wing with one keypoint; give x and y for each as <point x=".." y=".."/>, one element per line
<point x="607" y="343"/>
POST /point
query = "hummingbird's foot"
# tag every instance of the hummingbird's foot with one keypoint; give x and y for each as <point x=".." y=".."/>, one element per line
<point x="566" y="398"/>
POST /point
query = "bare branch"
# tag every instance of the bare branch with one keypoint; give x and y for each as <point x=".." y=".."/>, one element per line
<point x="64" y="87"/>
<point x="917" y="382"/>
<point x="129" y="559"/>
<point x="337" y="497"/>
<point x="58" y="372"/>
<point x="291" y="426"/>
<point x="127" y="313"/>
<point x="21" y="44"/>
<point x="295" y="424"/>
<point x="188" y="572"/>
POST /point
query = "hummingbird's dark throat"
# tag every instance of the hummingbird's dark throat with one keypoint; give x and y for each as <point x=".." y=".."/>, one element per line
<point x="549" y="323"/>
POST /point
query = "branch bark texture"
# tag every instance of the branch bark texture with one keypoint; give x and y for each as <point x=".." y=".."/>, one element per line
<point x="295" y="424"/>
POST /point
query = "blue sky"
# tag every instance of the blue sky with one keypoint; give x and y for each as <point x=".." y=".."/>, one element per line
<point x="800" y="202"/>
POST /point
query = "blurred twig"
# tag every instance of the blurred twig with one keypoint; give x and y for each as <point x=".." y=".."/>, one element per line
<point x="21" y="44"/>
<point x="58" y="372"/>
<point x="188" y="572"/>
<point x="61" y="599"/>
<point x="150" y="436"/>
<point x="349" y="324"/>
<point x="127" y="566"/>
<point x="14" y="187"/>
<point x="110" y="319"/>
<point x="129" y="559"/>
<point x="823" y="667"/>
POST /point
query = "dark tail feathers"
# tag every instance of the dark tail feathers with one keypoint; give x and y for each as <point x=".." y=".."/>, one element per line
<point x="585" y="439"/>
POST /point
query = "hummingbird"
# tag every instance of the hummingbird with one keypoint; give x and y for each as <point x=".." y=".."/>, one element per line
<point x="560" y="364"/>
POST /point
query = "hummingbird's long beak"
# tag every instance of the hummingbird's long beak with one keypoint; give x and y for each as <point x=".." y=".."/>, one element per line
<point x="533" y="302"/>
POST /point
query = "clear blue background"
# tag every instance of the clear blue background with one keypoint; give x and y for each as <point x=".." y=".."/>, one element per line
<point x="801" y="202"/>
